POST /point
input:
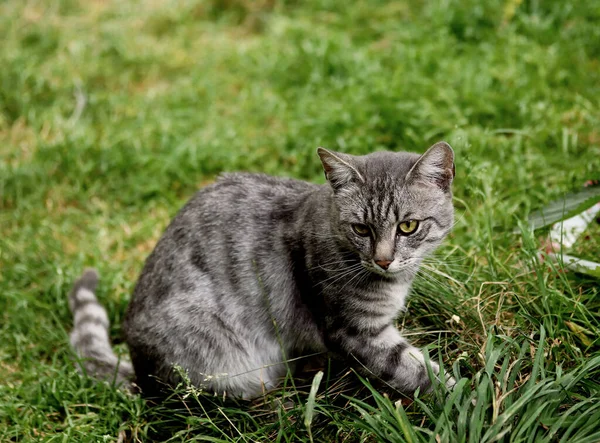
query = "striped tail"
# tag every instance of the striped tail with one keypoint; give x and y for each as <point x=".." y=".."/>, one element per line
<point x="89" y="336"/>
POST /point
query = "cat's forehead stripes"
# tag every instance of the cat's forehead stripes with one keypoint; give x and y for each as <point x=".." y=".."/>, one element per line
<point x="386" y="200"/>
<point x="384" y="197"/>
<point x="383" y="193"/>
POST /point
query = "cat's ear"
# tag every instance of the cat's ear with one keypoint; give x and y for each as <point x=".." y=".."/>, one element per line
<point x="339" y="168"/>
<point x="435" y="167"/>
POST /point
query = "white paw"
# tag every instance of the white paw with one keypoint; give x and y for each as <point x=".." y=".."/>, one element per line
<point x="450" y="382"/>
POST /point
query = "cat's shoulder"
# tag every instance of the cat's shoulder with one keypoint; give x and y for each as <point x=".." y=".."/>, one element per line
<point x="255" y="182"/>
<point x="234" y="190"/>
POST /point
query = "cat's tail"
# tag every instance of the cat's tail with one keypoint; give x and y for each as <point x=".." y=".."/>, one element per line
<point x="89" y="336"/>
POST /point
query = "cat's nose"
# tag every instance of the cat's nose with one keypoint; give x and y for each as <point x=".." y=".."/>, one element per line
<point x="383" y="264"/>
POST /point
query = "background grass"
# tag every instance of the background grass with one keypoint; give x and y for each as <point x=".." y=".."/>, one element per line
<point x="112" y="113"/>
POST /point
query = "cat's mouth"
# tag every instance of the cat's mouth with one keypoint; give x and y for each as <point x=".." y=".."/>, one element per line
<point x="394" y="269"/>
<point x="389" y="272"/>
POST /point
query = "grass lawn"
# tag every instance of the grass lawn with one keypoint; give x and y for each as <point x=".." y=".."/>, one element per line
<point x="113" y="113"/>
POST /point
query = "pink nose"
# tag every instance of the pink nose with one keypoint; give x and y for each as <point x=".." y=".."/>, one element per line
<point x="383" y="264"/>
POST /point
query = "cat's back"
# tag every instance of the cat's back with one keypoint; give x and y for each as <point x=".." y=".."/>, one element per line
<point x="239" y="189"/>
<point x="223" y="227"/>
<point x="255" y="199"/>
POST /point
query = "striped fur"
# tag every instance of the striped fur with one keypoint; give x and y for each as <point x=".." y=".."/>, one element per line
<point x="89" y="336"/>
<point x="256" y="269"/>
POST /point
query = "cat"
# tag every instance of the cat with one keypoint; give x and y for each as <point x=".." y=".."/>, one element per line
<point x="256" y="270"/>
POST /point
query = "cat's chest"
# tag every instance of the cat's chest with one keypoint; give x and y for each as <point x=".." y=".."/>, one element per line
<point x="383" y="306"/>
<point x="395" y="296"/>
<point x="387" y="300"/>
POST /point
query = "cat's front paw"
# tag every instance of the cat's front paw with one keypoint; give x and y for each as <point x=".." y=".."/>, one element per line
<point x="442" y="377"/>
<point x="427" y="383"/>
<point x="450" y="382"/>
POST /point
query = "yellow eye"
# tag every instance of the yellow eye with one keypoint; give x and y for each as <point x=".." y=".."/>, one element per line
<point x="408" y="227"/>
<point x="362" y="230"/>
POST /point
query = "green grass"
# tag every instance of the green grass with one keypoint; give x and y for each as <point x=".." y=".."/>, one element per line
<point x="112" y="113"/>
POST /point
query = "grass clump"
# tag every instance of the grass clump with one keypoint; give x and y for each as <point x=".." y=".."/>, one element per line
<point x="113" y="113"/>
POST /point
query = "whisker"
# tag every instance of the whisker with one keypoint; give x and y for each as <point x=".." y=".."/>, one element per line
<point x="453" y="266"/>
<point x="459" y="219"/>
<point x="336" y="262"/>
<point x="338" y="277"/>
<point x="358" y="274"/>
<point x="442" y="274"/>
<point x="430" y="279"/>
<point x="445" y="259"/>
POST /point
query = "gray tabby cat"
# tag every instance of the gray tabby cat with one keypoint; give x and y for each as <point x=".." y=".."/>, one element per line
<point x="256" y="270"/>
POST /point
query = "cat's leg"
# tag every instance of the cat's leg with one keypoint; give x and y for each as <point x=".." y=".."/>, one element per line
<point x="388" y="355"/>
<point x="237" y="373"/>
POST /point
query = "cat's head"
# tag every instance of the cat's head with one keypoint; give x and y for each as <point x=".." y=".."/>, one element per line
<point x="393" y="209"/>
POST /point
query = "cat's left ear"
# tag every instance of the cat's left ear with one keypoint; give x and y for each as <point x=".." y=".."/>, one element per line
<point x="435" y="167"/>
<point x="340" y="169"/>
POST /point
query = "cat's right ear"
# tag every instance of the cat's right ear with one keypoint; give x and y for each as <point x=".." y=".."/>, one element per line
<point x="339" y="168"/>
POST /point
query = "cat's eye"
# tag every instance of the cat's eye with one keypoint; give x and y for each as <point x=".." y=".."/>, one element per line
<point x="362" y="230"/>
<point x="408" y="227"/>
